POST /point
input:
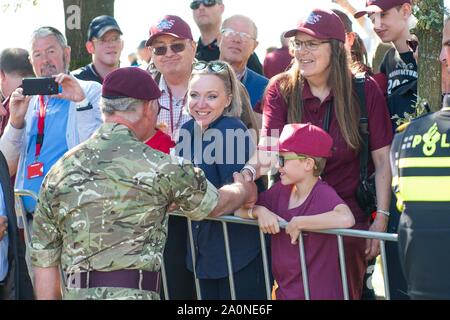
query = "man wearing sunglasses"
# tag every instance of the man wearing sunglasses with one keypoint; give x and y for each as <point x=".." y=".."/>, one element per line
<point x="105" y="45"/>
<point x="208" y="17"/>
<point x="173" y="50"/>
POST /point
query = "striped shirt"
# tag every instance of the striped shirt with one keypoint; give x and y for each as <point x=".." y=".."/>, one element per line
<point x="169" y="122"/>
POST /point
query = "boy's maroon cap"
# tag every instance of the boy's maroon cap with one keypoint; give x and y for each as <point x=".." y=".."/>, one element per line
<point x="130" y="82"/>
<point x="304" y="139"/>
<point x="170" y="25"/>
<point x="322" y="24"/>
<point x="375" y="6"/>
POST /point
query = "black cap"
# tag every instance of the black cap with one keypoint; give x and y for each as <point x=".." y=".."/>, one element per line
<point x="100" y="25"/>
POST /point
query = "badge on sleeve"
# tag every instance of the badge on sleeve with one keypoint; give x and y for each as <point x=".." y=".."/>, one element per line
<point x="35" y="170"/>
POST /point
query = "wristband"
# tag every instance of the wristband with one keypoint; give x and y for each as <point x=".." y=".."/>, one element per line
<point x="386" y="213"/>
<point x="251" y="169"/>
<point x="84" y="105"/>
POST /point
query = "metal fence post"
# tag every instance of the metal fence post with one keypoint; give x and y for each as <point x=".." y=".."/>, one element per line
<point x="230" y="266"/>
<point x="193" y="251"/>
<point x="342" y="264"/>
<point x="301" y="246"/>
<point x="265" y="265"/>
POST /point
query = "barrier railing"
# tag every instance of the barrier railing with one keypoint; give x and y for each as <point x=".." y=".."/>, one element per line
<point x="339" y="233"/>
<point x="225" y="220"/>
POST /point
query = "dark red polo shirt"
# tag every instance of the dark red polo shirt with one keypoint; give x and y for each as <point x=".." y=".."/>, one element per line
<point x="321" y="250"/>
<point x="277" y="62"/>
<point x="342" y="169"/>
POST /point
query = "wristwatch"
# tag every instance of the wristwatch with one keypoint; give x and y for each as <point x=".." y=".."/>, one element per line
<point x="83" y="105"/>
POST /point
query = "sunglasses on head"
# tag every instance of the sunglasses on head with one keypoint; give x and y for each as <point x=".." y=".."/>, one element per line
<point x="215" y="66"/>
<point x="282" y="159"/>
<point x="412" y="44"/>
<point x="207" y="3"/>
<point x="175" y="47"/>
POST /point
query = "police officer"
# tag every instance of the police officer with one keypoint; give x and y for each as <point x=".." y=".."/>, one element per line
<point x="421" y="168"/>
<point x="102" y="212"/>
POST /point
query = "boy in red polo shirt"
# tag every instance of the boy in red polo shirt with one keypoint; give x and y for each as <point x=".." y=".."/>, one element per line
<point x="306" y="202"/>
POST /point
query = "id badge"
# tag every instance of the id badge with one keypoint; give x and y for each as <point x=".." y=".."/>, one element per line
<point x="35" y="170"/>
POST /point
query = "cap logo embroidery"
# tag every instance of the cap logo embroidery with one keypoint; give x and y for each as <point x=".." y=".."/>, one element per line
<point x="165" y="24"/>
<point x="313" y="18"/>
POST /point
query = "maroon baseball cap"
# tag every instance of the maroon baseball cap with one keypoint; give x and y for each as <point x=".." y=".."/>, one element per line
<point x="170" y="25"/>
<point x="130" y="82"/>
<point x="322" y="24"/>
<point x="375" y="6"/>
<point x="303" y="138"/>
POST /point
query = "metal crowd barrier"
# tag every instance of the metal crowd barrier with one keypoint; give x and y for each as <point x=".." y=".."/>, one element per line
<point x="22" y="222"/>
<point x="340" y="234"/>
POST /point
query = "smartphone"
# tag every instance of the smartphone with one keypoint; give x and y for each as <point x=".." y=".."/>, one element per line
<point x="40" y="86"/>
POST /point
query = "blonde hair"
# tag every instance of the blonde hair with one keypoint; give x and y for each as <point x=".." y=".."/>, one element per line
<point x="230" y="81"/>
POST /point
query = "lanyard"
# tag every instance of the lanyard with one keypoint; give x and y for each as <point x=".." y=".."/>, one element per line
<point x="41" y="125"/>
<point x="171" y="110"/>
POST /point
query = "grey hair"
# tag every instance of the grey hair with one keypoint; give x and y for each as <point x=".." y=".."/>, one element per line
<point x="250" y="21"/>
<point x="44" y="32"/>
<point x="231" y="84"/>
<point x="130" y="105"/>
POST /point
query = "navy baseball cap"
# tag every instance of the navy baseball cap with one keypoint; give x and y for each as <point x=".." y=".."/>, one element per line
<point x="101" y="25"/>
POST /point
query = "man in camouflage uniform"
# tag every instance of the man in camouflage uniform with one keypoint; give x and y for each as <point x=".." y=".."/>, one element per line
<point x="102" y="210"/>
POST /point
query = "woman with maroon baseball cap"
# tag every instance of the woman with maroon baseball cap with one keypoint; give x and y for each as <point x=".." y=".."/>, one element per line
<point x="319" y="89"/>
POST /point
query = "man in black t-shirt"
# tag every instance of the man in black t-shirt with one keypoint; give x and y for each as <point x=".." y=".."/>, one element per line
<point x="105" y="45"/>
<point x="208" y="17"/>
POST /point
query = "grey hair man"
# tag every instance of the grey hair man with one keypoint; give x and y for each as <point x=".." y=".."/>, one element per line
<point x="42" y="128"/>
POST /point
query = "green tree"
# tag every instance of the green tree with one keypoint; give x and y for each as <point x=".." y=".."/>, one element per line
<point x="78" y="15"/>
<point x="430" y="15"/>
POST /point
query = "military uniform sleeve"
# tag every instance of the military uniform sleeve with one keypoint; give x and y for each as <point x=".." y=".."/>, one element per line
<point x="46" y="241"/>
<point x="195" y="196"/>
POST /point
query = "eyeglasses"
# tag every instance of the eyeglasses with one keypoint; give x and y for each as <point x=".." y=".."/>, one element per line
<point x="113" y="40"/>
<point x="311" y="45"/>
<point x="175" y="47"/>
<point x="207" y="3"/>
<point x="412" y="44"/>
<point x="282" y="159"/>
<point x="244" y="36"/>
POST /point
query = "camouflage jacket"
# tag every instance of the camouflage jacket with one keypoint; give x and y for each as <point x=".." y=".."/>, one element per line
<point x="103" y="207"/>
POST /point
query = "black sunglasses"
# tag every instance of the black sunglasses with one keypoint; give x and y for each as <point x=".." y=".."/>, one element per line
<point x="207" y="3"/>
<point x="176" y="48"/>
<point x="412" y="44"/>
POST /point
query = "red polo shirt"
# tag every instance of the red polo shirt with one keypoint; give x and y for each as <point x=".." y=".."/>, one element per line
<point x="161" y="142"/>
<point x="342" y="169"/>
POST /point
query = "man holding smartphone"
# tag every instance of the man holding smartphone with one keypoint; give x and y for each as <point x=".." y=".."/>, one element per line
<point x="42" y="128"/>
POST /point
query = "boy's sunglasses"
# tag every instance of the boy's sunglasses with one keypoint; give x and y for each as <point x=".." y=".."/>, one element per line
<point x="282" y="159"/>
<point x="207" y="3"/>
<point x="176" y="48"/>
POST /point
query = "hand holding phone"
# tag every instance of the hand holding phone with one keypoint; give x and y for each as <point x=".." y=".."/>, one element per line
<point x="40" y="86"/>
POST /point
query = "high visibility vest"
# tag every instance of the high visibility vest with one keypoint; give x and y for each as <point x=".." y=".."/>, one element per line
<point x="420" y="160"/>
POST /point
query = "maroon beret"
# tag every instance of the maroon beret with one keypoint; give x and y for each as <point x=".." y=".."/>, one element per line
<point x="304" y="139"/>
<point x="375" y="6"/>
<point x="130" y="82"/>
<point x="170" y="25"/>
<point x="322" y="24"/>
